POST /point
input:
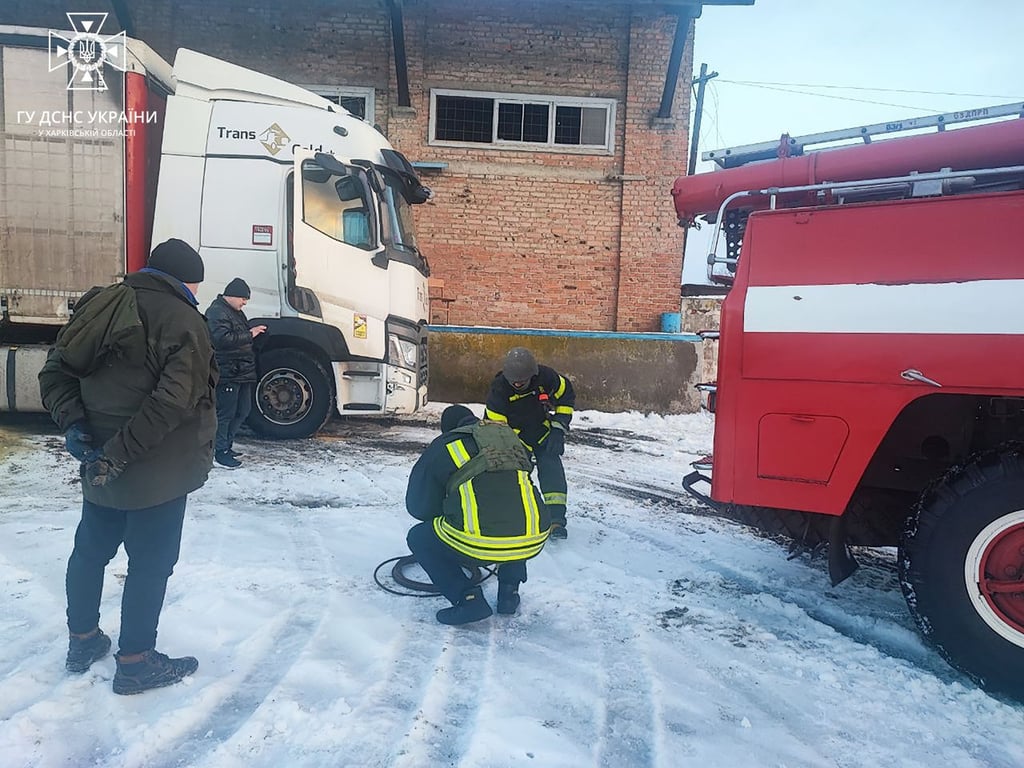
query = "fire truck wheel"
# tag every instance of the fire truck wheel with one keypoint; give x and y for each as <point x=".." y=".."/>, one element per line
<point x="792" y="526"/>
<point x="294" y="395"/>
<point x="962" y="569"/>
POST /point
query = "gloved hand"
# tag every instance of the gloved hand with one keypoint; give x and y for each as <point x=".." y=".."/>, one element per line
<point x="556" y="439"/>
<point x="100" y="470"/>
<point x="78" y="440"/>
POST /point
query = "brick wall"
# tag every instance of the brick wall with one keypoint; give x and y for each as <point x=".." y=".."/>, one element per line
<point x="519" y="238"/>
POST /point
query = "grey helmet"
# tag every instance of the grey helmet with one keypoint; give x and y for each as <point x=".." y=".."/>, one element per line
<point x="520" y="365"/>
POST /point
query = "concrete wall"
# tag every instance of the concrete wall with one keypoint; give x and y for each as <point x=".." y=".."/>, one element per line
<point x="611" y="372"/>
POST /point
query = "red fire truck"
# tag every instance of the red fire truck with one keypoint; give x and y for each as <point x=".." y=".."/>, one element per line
<point x="870" y="385"/>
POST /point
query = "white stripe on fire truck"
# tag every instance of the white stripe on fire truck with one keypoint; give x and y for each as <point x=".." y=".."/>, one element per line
<point x="972" y="307"/>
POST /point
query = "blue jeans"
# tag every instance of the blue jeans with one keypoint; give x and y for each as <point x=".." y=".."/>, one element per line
<point x="444" y="564"/>
<point x="152" y="539"/>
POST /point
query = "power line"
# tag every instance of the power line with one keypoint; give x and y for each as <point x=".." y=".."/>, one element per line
<point x="876" y="90"/>
<point x="830" y="96"/>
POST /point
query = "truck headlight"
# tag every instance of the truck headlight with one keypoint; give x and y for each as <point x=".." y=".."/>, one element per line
<point x="402" y="352"/>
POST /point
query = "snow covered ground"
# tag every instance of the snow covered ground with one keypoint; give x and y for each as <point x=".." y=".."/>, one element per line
<point x="655" y="636"/>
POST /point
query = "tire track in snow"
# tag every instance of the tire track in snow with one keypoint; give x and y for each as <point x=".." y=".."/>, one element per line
<point x="626" y="714"/>
<point x="289" y="639"/>
<point x="888" y="634"/>
<point x="443" y="725"/>
<point x="392" y="703"/>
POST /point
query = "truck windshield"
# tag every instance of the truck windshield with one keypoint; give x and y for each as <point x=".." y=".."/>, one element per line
<point x="338" y="205"/>
<point x="396" y="216"/>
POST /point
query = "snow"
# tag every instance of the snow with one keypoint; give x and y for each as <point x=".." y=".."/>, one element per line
<point x="656" y="635"/>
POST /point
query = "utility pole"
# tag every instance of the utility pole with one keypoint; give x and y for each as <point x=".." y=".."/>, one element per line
<point x="700" y="82"/>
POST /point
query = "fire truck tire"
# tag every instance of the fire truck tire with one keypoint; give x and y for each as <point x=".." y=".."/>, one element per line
<point x="294" y="395"/>
<point x="786" y="523"/>
<point x="961" y="568"/>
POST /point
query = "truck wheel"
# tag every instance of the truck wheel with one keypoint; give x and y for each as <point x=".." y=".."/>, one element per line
<point x="962" y="569"/>
<point x="294" y="395"/>
<point x="805" y="527"/>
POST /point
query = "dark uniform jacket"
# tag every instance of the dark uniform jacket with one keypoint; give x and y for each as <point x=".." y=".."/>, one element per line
<point x="495" y="517"/>
<point x="232" y="342"/>
<point x="154" y="408"/>
<point x="526" y="411"/>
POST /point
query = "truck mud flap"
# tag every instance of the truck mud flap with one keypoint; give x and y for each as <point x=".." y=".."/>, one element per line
<point x="841" y="562"/>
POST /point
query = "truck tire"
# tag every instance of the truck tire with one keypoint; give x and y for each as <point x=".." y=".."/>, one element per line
<point x="294" y="395"/>
<point x="962" y="569"/>
<point x="810" y="529"/>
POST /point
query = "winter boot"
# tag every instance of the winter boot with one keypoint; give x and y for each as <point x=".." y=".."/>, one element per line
<point x="153" y="670"/>
<point x="508" y="598"/>
<point x="226" y="460"/>
<point x="472" y="607"/>
<point x="558" y="531"/>
<point x="83" y="651"/>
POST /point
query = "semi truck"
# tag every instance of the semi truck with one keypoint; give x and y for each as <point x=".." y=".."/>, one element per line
<point x="107" y="150"/>
<point x="870" y="383"/>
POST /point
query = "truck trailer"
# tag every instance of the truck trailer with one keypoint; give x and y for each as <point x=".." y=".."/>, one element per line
<point x="107" y="150"/>
<point x="870" y="384"/>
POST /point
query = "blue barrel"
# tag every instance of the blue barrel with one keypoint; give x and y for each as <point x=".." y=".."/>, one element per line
<point x="671" y="322"/>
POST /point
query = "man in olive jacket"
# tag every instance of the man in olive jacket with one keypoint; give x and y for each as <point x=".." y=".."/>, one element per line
<point x="131" y="382"/>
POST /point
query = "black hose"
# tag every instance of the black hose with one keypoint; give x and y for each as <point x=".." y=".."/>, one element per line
<point x="422" y="588"/>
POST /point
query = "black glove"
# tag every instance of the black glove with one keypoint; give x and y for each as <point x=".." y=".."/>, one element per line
<point x="78" y="440"/>
<point x="556" y="439"/>
<point x="100" y="470"/>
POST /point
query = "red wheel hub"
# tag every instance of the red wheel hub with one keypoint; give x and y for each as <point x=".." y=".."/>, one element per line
<point x="1001" y="576"/>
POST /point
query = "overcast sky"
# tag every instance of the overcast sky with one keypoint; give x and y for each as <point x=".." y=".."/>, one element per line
<point x="947" y="55"/>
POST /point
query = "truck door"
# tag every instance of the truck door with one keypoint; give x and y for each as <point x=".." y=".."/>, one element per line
<point x="336" y="246"/>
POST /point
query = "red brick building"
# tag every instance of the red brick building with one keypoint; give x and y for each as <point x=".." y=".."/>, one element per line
<point x="550" y="130"/>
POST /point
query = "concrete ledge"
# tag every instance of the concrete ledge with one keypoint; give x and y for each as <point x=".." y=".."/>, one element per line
<point x="611" y="372"/>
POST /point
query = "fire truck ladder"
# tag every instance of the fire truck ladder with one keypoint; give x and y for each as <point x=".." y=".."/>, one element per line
<point x="793" y="146"/>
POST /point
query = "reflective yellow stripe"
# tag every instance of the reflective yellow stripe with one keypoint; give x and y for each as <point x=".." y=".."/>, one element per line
<point x="470" y="508"/>
<point x="529" y="504"/>
<point x="495" y="416"/>
<point x="458" y="452"/>
<point x="563" y="409"/>
<point x="554" y="498"/>
<point x="487" y="548"/>
<point x="561" y="387"/>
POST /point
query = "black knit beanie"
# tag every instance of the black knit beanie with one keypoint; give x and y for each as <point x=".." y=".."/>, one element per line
<point x="238" y="288"/>
<point x="178" y="259"/>
<point x="455" y="416"/>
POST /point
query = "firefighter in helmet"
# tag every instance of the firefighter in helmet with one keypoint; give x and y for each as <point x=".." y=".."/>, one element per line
<point x="472" y="490"/>
<point x="537" y="402"/>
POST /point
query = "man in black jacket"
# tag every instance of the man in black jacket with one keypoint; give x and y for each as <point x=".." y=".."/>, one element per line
<point x="130" y="380"/>
<point x="472" y="490"/>
<point x="537" y="402"/>
<point x="232" y="341"/>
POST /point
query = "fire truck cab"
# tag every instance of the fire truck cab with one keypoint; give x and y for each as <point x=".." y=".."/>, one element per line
<point x="870" y="386"/>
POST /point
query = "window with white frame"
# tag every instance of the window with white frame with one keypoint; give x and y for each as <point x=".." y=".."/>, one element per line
<point x="358" y="101"/>
<point x="522" y="121"/>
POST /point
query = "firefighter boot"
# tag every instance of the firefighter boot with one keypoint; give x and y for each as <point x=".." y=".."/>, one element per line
<point x="472" y="607"/>
<point x="508" y="598"/>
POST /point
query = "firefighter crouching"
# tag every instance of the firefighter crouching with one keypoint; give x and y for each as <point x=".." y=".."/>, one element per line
<point x="472" y="489"/>
<point x="537" y="402"/>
